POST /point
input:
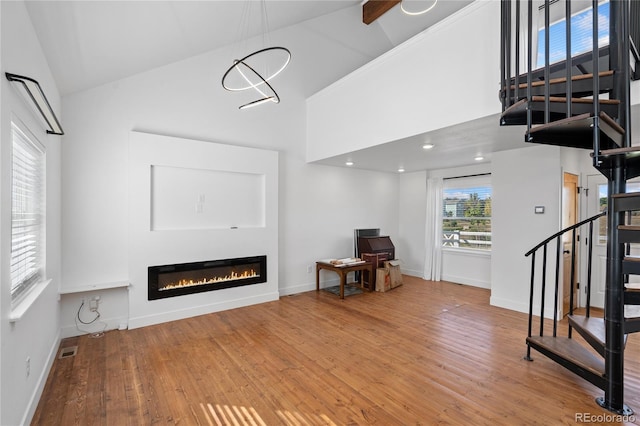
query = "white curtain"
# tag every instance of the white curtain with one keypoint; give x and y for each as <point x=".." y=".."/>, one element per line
<point x="433" y="231"/>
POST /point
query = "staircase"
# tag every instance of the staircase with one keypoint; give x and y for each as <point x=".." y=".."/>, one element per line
<point x="581" y="101"/>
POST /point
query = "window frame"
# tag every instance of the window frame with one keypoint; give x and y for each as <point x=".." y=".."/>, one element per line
<point x="462" y="184"/>
<point x="23" y="283"/>
<point x="558" y="13"/>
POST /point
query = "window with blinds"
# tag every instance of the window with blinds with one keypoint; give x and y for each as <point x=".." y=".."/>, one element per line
<point x="27" y="212"/>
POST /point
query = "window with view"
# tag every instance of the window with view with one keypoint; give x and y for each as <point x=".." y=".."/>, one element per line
<point x="466" y="214"/>
<point x="27" y="212"/>
<point x="581" y="32"/>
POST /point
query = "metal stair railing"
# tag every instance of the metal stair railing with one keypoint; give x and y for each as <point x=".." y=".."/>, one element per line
<point x="543" y="245"/>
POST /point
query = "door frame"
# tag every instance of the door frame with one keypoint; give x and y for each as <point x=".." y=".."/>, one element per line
<point x="570" y="211"/>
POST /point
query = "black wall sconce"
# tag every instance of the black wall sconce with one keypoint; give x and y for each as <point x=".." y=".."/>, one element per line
<point x="35" y="93"/>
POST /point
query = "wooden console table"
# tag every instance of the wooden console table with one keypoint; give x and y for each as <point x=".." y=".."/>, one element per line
<point x="342" y="271"/>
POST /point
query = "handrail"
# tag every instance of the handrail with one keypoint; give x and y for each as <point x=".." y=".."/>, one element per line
<point x="543" y="279"/>
<point x="569" y="228"/>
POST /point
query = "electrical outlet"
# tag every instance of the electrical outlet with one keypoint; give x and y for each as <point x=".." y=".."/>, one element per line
<point x="27" y="366"/>
<point x="93" y="303"/>
<point x="309" y="269"/>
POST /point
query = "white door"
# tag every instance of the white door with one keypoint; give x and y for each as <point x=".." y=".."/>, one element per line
<point x="597" y="202"/>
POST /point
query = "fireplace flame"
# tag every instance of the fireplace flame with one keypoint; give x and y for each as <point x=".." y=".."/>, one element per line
<point x="210" y="280"/>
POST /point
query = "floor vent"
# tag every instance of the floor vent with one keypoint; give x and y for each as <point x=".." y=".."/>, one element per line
<point x="68" y="352"/>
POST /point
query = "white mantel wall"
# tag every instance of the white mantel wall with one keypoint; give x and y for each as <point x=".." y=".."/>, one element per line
<point x="446" y="75"/>
<point x="196" y="235"/>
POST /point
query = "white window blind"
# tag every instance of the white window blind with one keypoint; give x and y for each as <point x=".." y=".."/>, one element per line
<point x="27" y="212"/>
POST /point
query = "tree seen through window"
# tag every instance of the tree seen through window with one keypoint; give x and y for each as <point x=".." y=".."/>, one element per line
<point x="466" y="217"/>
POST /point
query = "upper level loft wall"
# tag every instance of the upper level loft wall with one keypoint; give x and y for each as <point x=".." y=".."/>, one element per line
<point x="446" y="75"/>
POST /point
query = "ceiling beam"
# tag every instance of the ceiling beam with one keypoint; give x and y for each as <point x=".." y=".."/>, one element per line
<point x="373" y="9"/>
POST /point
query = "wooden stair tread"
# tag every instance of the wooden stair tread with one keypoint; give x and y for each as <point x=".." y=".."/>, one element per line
<point x="576" y="119"/>
<point x="632" y="259"/>
<point x="631" y="325"/>
<point x="572" y="355"/>
<point x="626" y="195"/>
<point x="629" y="234"/>
<point x="619" y="151"/>
<point x="591" y="329"/>
<point x="605" y="119"/>
<point x="577" y="132"/>
<point x="626" y="202"/>
<point x="517" y="113"/>
<point x="593" y="325"/>
<point x="560" y="80"/>
<point x="629" y="227"/>
<point x="631" y="295"/>
<point x="575" y="100"/>
<point x="608" y="159"/>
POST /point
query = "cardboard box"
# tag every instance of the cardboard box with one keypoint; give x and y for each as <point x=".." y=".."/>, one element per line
<point x="395" y="276"/>
<point x="383" y="280"/>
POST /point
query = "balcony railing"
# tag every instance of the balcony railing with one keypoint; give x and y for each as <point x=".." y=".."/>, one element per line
<point x="467" y="239"/>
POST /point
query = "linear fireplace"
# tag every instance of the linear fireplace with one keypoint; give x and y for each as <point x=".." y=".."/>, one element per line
<point x="187" y="278"/>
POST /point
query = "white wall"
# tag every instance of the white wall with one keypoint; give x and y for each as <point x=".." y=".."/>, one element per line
<point x="412" y="190"/>
<point x="407" y="91"/>
<point x="519" y="186"/>
<point x="36" y="334"/>
<point x="318" y="206"/>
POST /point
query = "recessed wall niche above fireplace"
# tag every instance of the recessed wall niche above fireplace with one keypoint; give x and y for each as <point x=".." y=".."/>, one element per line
<point x="187" y="278"/>
<point x="169" y="225"/>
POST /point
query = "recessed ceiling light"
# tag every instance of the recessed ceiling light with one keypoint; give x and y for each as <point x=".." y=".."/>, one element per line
<point x="401" y="170"/>
<point x="427" y="146"/>
<point x="349" y="163"/>
<point x="479" y="158"/>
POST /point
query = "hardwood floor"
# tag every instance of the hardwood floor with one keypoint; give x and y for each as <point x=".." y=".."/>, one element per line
<point x="424" y="353"/>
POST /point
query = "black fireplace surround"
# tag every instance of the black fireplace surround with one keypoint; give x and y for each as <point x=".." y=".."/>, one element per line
<point x="187" y="278"/>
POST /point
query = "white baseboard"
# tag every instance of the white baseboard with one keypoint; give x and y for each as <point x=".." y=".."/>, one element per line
<point x="101" y="325"/>
<point x="519" y="307"/>
<point x="466" y="280"/>
<point x="143" y="321"/>
<point x="301" y="288"/>
<point x="412" y="272"/>
<point x="42" y="380"/>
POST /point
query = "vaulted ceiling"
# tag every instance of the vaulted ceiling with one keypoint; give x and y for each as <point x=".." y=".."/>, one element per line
<point x="90" y="43"/>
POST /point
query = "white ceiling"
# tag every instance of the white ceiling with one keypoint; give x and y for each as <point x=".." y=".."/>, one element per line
<point x="453" y="146"/>
<point x="90" y="43"/>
